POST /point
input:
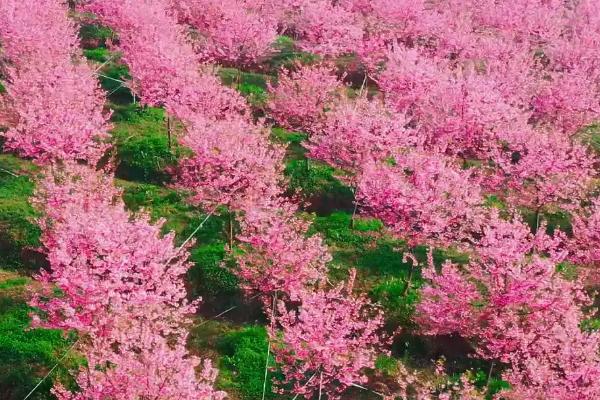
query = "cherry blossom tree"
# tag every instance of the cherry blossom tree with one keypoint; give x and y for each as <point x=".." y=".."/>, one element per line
<point x="230" y="152"/>
<point x="301" y="97"/>
<point x="162" y="62"/>
<point x="278" y="257"/>
<point x="327" y="341"/>
<point x="47" y="75"/>
<point x="511" y="301"/>
<point x="327" y="29"/>
<point x="146" y="366"/>
<point x="584" y="243"/>
<point x="120" y="289"/>
<point x="359" y="131"/>
<point x="232" y="32"/>
<point x="422" y="197"/>
<point x="232" y="163"/>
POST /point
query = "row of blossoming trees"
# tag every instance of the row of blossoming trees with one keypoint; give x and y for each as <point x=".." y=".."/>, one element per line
<point x="473" y="99"/>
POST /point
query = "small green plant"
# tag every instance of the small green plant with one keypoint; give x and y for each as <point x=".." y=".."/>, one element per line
<point x="98" y="54"/>
<point x="208" y="276"/>
<point x="243" y="362"/>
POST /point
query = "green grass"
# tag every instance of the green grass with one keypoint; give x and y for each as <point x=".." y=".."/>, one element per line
<point x="142" y="145"/>
<point x="316" y="183"/>
<point x="182" y="218"/>
<point x="590" y="135"/>
<point x="210" y="277"/>
<point x="95" y="34"/>
<point x="242" y="366"/>
<point x="18" y="230"/>
<point x="99" y="54"/>
<point x="13" y="283"/>
<point x="253" y="86"/>
<point x="27" y="354"/>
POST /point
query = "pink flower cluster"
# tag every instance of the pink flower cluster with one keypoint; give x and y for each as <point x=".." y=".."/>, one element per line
<point x="52" y="92"/>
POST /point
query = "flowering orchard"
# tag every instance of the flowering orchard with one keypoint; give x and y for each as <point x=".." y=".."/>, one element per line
<point x="463" y="135"/>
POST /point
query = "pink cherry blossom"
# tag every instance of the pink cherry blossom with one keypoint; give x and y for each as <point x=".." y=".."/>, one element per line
<point x="326" y="342"/>
<point x="51" y="90"/>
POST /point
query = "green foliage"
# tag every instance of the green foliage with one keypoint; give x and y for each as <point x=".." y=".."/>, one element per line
<point x="95" y="34"/>
<point x="98" y="54"/>
<point x="397" y="301"/>
<point x="590" y="135"/>
<point x="179" y="216"/>
<point x="26" y="354"/>
<point x="386" y="365"/>
<point x="2" y="88"/>
<point x="337" y="230"/>
<point x="112" y="75"/>
<point x="560" y="220"/>
<point x="590" y="324"/>
<point x="317" y="184"/>
<point x="160" y="202"/>
<point x="233" y="77"/>
<point x="284" y="136"/>
<point x="243" y="362"/>
<point x="256" y="95"/>
<point x="493" y="383"/>
<point x="142" y="145"/>
<point x="292" y="141"/>
<point x="13" y="283"/>
<point x="18" y="230"/>
<point x="208" y="276"/>
<point x="287" y="55"/>
<point x="252" y="86"/>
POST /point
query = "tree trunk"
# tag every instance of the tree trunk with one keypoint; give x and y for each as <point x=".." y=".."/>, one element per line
<point x="169" y="130"/>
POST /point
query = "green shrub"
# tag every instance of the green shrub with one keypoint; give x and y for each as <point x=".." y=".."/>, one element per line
<point x="95" y="33"/>
<point x="287" y="55"/>
<point x="142" y="145"/>
<point x="243" y="362"/>
<point x="317" y="184"/>
<point x="208" y="277"/>
<point x="99" y="54"/>
<point x="397" y="301"/>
